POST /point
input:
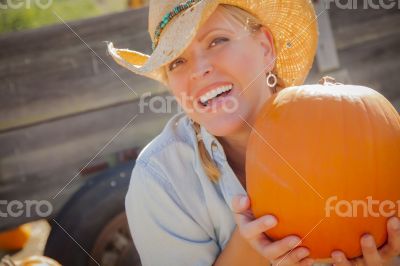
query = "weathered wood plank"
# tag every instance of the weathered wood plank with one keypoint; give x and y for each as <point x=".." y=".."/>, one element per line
<point x="376" y="62"/>
<point x="373" y="64"/>
<point x="353" y="35"/>
<point x="37" y="162"/>
<point x="368" y="43"/>
<point x="27" y="152"/>
<point x="327" y="57"/>
<point x="50" y="73"/>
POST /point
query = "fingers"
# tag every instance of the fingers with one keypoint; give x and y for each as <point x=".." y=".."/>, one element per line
<point x="241" y="204"/>
<point x="306" y="262"/>
<point x="371" y="255"/>
<point x="392" y="248"/>
<point x="253" y="229"/>
<point x="241" y="209"/>
<point x="339" y="259"/>
<point x="249" y="227"/>
<point x="370" y="251"/>
<point x="279" y="248"/>
<point x="295" y="257"/>
<point x="282" y="252"/>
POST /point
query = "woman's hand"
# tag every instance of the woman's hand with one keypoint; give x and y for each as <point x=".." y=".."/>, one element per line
<point x="385" y="256"/>
<point x="282" y="252"/>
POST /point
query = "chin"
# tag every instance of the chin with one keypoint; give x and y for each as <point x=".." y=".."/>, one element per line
<point x="228" y="125"/>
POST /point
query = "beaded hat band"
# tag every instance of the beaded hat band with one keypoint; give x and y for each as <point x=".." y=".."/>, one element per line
<point x="173" y="24"/>
<point x="175" y="11"/>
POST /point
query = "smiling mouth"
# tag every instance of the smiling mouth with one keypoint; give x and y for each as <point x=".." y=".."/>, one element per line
<point x="223" y="94"/>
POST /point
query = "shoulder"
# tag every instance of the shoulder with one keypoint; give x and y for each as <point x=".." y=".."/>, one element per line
<point x="170" y="161"/>
<point x="177" y="137"/>
<point x="169" y="167"/>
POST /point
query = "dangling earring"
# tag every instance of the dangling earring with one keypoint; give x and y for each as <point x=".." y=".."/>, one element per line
<point x="272" y="80"/>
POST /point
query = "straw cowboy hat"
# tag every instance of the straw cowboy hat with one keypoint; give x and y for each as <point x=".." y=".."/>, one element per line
<point x="174" y="23"/>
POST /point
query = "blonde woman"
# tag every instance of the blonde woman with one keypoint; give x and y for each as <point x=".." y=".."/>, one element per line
<point x="221" y="60"/>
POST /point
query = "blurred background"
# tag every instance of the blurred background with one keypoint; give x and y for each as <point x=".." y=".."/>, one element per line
<point x="70" y="124"/>
<point x="22" y="15"/>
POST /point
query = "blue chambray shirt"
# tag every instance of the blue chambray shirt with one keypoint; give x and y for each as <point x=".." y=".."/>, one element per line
<point x="176" y="215"/>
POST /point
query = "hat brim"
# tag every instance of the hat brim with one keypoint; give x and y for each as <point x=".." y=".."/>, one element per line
<point x="292" y="23"/>
<point x="169" y="46"/>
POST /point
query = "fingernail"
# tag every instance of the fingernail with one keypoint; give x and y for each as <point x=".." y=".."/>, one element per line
<point x="270" y="221"/>
<point x="337" y="257"/>
<point x="304" y="252"/>
<point x="243" y="201"/>
<point x="395" y="224"/>
<point x="368" y="241"/>
<point x="294" y="242"/>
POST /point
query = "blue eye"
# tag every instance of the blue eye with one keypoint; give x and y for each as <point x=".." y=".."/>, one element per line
<point x="217" y="40"/>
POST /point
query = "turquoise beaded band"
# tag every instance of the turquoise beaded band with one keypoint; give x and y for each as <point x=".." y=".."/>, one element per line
<point x="167" y="18"/>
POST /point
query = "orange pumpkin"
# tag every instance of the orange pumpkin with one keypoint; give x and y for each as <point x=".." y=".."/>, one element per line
<point x="16" y="238"/>
<point x="325" y="160"/>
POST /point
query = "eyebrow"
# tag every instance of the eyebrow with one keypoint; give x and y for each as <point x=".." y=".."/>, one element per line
<point x="206" y="34"/>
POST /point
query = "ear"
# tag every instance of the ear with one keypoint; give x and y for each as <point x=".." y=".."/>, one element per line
<point x="267" y="42"/>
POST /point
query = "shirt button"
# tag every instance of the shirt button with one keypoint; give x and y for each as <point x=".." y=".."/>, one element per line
<point x="214" y="146"/>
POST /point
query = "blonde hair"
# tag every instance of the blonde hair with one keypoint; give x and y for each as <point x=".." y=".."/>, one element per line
<point x="253" y="25"/>
<point x="208" y="164"/>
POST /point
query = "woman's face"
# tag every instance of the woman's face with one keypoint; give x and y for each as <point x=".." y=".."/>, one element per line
<point x="223" y="55"/>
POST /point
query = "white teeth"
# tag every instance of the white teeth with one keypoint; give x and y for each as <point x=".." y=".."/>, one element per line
<point x="211" y="94"/>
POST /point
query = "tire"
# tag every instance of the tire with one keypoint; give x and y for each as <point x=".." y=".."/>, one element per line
<point x="94" y="215"/>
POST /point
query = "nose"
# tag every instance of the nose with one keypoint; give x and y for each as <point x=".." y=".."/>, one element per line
<point x="201" y="68"/>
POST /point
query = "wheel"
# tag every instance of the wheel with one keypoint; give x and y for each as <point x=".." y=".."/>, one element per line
<point x="95" y="218"/>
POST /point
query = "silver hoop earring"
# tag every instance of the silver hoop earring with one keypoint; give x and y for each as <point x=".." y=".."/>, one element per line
<point x="274" y="81"/>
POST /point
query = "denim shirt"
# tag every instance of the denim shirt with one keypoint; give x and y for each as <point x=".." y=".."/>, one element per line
<point x="176" y="214"/>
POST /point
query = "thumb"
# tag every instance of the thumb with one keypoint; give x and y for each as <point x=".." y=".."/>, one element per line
<point x="240" y="203"/>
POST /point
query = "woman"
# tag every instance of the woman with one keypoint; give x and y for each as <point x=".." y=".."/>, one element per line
<point x="221" y="60"/>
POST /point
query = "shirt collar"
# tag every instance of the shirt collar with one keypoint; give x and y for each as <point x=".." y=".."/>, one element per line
<point x="212" y="144"/>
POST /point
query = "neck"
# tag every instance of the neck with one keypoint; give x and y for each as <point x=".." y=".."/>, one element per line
<point x="235" y="150"/>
